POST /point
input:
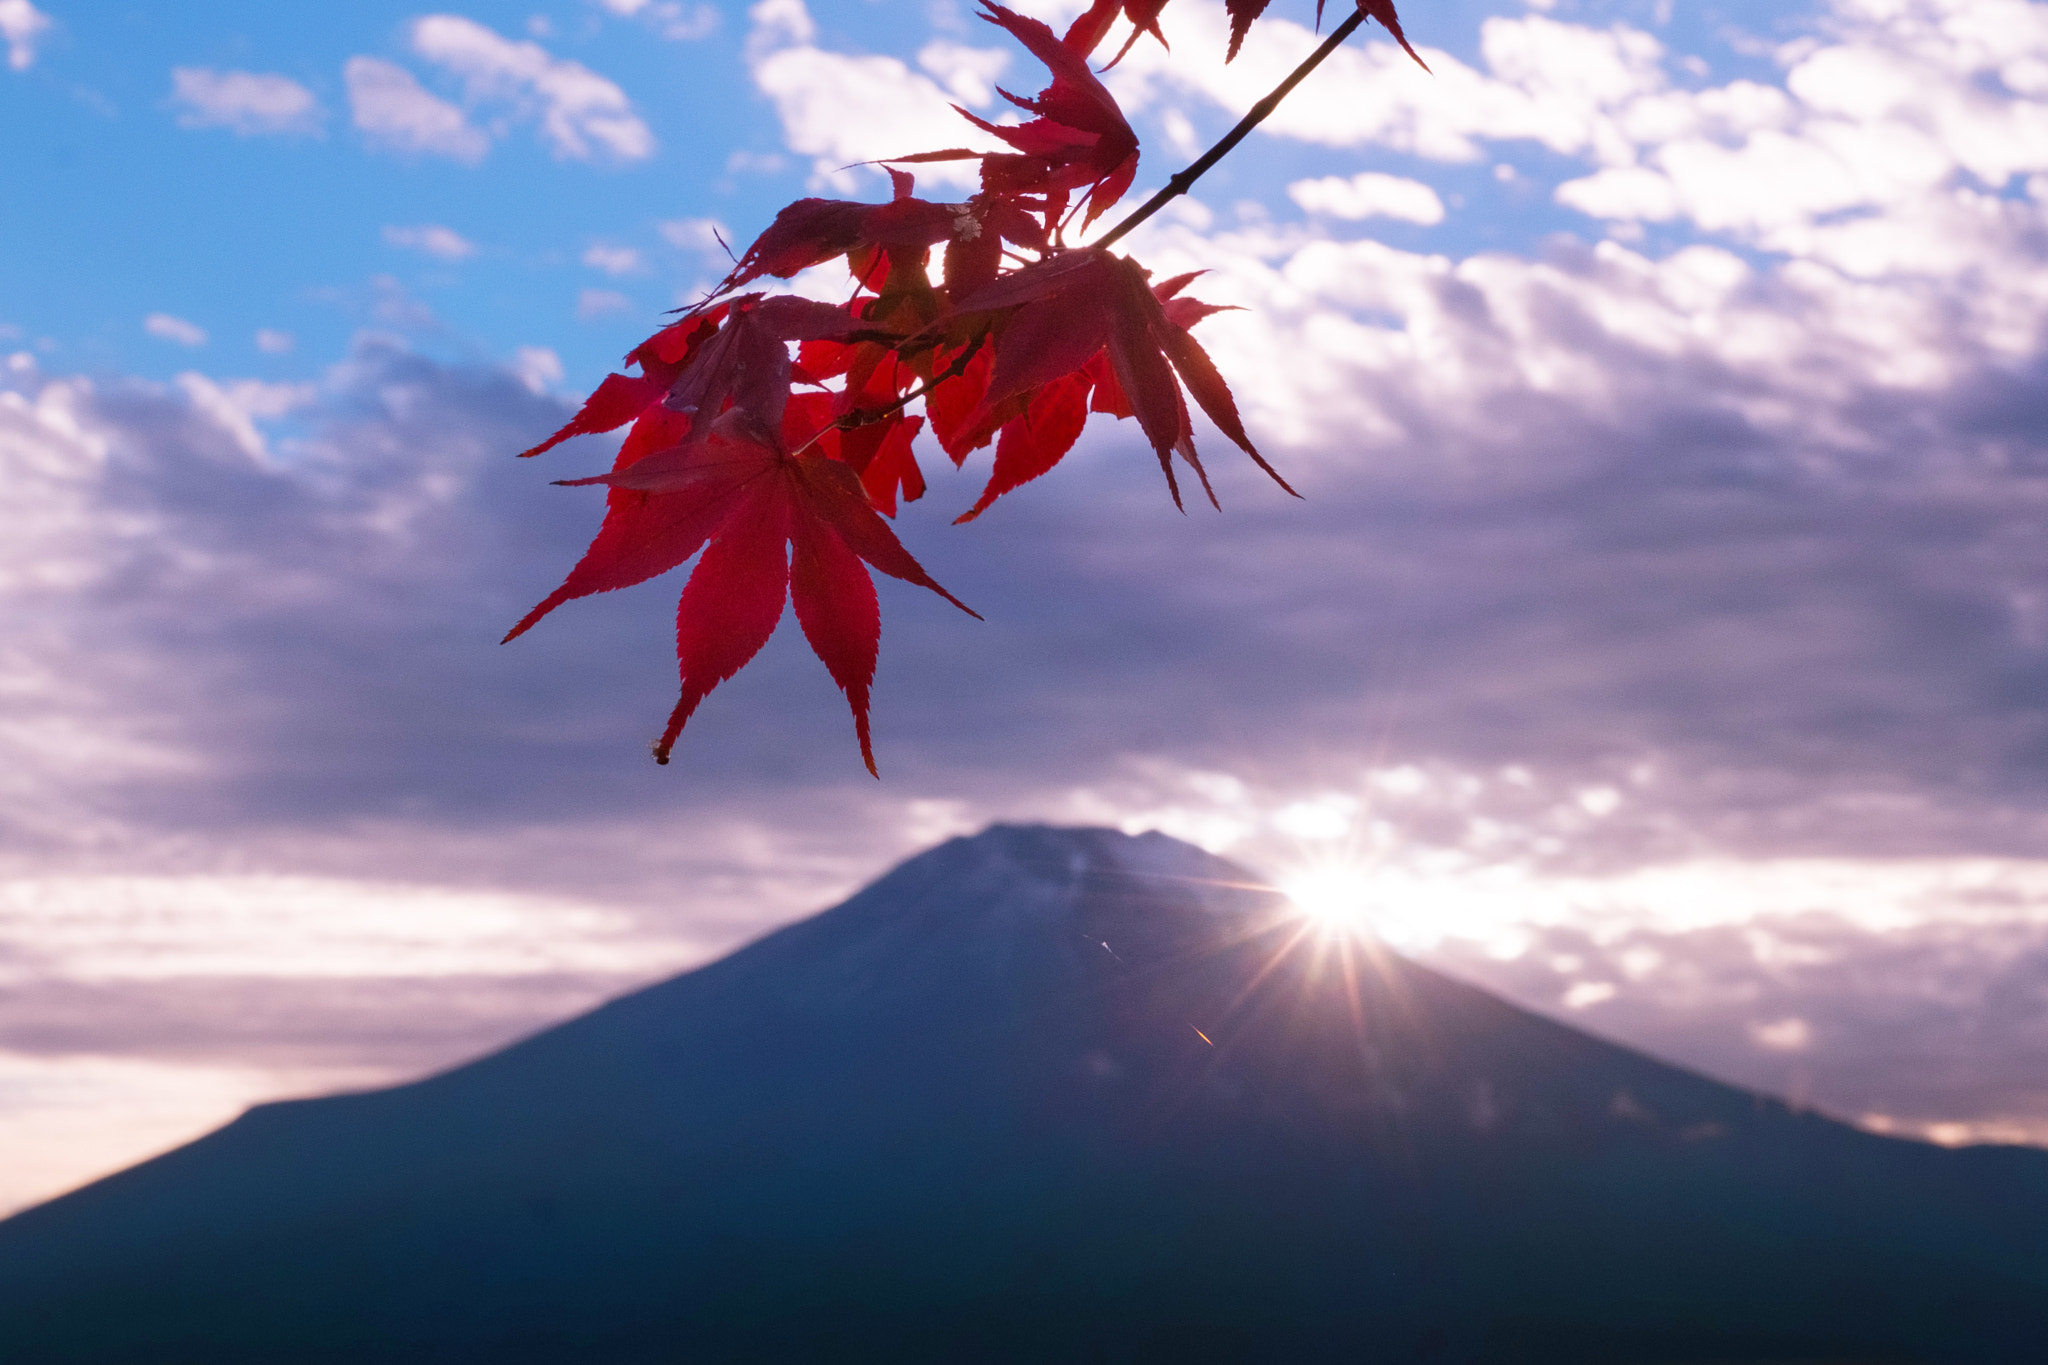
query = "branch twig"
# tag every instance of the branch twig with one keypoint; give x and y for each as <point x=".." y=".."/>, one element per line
<point x="1181" y="183"/>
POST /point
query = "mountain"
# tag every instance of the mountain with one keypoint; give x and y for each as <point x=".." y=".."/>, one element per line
<point x="1043" y="1095"/>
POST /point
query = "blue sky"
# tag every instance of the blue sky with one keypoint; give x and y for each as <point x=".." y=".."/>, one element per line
<point x="1661" y="639"/>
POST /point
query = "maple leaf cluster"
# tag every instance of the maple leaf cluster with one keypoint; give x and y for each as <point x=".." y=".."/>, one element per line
<point x="783" y="470"/>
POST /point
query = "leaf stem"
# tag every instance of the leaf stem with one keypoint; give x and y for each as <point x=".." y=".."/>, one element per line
<point x="1181" y="183"/>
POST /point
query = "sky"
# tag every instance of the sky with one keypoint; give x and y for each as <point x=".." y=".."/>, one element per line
<point x="1661" y="638"/>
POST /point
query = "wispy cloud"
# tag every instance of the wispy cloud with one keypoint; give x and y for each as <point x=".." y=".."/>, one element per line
<point x="432" y="239"/>
<point x="394" y="111"/>
<point x="243" y="102"/>
<point x="702" y="236"/>
<point x="597" y="303"/>
<point x="168" y="327"/>
<point x="613" y="259"/>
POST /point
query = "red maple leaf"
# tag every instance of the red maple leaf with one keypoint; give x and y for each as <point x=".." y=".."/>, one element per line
<point x="779" y="495"/>
<point x="772" y="527"/>
<point x="708" y="466"/>
<point x="1093" y="26"/>
<point x="1382" y="10"/>
<point x="1080" y="136"/>
<point x="1088" y="31"/>
<point x="1085" y="303"/>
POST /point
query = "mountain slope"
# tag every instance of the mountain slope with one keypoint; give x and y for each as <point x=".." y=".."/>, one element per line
<point x="1043" y="1095"/>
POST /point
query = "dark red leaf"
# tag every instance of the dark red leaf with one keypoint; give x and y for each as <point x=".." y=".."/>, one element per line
<point x="1109" y="395"/>
<point x="1033" y="443"/>
<point x="732" y="602"/>
<point x="836" y="606"/>
<point x="831" y="491"/>
<point x="954" y="401"/>
<point x="893" y="467"/>
<point x="1086" y="33"/>
<point x="1242" y="12"/>
<point x="1383" y="10"/>
<point x="765" y="501"/>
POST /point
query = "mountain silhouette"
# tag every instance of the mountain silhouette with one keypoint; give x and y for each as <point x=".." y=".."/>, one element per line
<point x="1044" y="1095"/>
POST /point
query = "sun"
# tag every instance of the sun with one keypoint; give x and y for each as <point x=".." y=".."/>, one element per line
<point x="1335" y="896"/>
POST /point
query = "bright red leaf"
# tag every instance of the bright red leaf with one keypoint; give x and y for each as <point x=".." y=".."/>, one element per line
<point x="1086" y="301"/>
<point x="780" y="492"/>
<point x="735" y="493"/>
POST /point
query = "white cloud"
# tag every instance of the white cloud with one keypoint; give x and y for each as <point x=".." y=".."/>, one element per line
<point x="1558" y="84"/>
<point x="704" y="236"/>
<point x="582" y="115"/>
<point x="613" y="260"/>
<point x="244" y="102"/>
<point x="1867" y="159"/>
<point x="169" y="328"/>
<point x="394" y="111"/>
<point x="1783" y="1035"/>
<point x="236" y="405"/>
<point x="22" y="25"/>
<point x="969" y="74"/>
<point x="1883" y="150"/>
<point x="433" y="239"/>
<point x="840" y="109"/>
<point x="671" y="19"/>
<point x="1368" y="195"/>
<point x="270" y="341"/>
<point x="597" y="303"/>
<point x="537" y="367"/>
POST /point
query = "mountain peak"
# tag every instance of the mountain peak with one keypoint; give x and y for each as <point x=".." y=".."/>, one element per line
<point x="1043" y="1093"/>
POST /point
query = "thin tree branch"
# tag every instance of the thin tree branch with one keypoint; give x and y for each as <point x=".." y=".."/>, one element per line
<point x="1181" y="183"/>
<point x="866" y="417"/>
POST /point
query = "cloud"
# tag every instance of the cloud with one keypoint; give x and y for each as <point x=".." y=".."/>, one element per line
<point x="237" y="405"/>
<point x="1565" y="87"/>
<point x="241" y="988"/>
<point x="1369" y="194"/>
<point x="176" y="329"/>
<point x="1887" y="150"/>
<point x="969" y="74"/>
<point x="1659" y="640"/>
<point x="706" y="238"/>
<point x="432" y="239"/>
<point x="243" y="102"/>
<point x="840" y="109"/>
<point x="582" y="115"/>
<point x="22" y="25"/>
<point x="613" y="260"/>
<point x="270" y="341"/>
<point x="672" y="20"/>
<point x="537" y="367"/>
<point x="394" y="111"/>
<point x="597" y="303"/>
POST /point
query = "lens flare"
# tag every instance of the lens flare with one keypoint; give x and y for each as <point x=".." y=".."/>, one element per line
<point x="1334" y="896"/>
